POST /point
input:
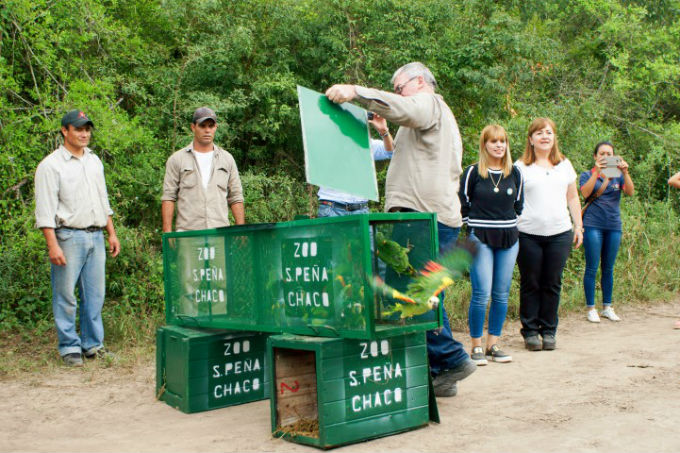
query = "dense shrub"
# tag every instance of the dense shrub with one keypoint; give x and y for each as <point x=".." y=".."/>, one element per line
<point x="602" y="69"/>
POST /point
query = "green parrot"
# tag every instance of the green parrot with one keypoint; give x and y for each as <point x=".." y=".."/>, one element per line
<point x="393" y="254"/>
<point x="422" y="294"/>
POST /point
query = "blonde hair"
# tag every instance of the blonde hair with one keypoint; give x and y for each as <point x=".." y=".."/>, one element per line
<point x="493" y="132"/>
<point x="529" y="156"/>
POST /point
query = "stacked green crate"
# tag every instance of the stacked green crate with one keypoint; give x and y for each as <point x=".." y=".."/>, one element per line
<point x="361" y="369"/>
<point x="327" y="392"/>
<point x="308" y="277"/>
<point x="202" y="369"/>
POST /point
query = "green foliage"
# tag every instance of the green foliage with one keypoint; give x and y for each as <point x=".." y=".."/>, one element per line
<point x="602" y="69"/>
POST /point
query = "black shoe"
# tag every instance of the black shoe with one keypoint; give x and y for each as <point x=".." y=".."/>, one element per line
<point x="445" y="383"/>
<point x="549" y="342"/>
<point x="99" y="353"/>
<point x="532" y="343"/>
<point x="72" y="359"/>
<point x="478" y="357"/>
<point x="497" y="355"/>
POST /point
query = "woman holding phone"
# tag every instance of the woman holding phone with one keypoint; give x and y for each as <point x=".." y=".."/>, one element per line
<point x="602" y="225"/>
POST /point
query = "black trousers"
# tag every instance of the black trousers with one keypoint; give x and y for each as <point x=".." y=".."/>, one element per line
<point x="541" y="260"/>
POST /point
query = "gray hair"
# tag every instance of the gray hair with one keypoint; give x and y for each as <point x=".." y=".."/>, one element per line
<point x="415" y="69"/>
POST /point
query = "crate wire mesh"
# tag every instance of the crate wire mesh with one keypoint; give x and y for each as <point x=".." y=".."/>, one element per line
<point x="310" y="277"/>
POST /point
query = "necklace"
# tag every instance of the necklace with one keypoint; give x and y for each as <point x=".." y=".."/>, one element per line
<point x="495" y="184"/>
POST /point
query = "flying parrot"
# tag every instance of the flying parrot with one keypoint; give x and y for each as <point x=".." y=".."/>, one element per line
<point x="422" y="294"/>
<point x="393" y="254"/>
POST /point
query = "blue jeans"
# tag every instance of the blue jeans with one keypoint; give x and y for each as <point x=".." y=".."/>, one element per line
<point x="85" y="254"/>
<point x="600" y="244"/>
<point x="336" y="211"/>
<point x="490" y="275"/>
<point x="443" y="350"/>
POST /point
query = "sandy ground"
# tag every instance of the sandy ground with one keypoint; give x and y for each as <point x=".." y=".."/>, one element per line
<point x="612" y="387"/>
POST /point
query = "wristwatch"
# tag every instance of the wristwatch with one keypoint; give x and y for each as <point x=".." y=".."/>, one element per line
<point x="387" y="132"/>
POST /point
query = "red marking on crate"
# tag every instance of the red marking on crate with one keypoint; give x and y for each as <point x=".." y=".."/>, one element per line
<point x="293" y="389"/>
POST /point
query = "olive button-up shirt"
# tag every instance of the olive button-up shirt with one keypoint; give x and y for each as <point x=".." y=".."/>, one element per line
<point x="200" y="208"/>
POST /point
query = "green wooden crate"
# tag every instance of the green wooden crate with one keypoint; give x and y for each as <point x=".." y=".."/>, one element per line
<point x="328" y="392"/>
<point x="202" y="369"/>
<point x="307" y="277"/>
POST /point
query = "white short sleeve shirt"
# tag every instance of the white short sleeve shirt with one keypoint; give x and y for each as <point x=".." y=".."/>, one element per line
<point x="545" y="198"/>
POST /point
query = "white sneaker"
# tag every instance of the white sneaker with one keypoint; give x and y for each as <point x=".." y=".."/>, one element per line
<point x="593" y="316"/>
<point x="609" y="313"/>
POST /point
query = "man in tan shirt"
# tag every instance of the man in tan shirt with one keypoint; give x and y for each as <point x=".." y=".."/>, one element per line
<point x="423" y="176"/>
<point x="72" y="208"/>
<point x="202" y="180"/>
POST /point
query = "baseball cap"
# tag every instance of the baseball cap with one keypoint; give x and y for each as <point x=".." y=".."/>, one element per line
<point x="77" y="118"/>
<point x="204" y="113"/>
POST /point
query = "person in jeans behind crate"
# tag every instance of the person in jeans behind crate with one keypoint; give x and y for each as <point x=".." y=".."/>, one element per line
<point x="545" y="232"/>
<point x="333" y="203"/>
<point x="491" y="198"/>
<point x="423" y="176"/>
<point x="674" y="181"/>
<point x="602" y="224"/>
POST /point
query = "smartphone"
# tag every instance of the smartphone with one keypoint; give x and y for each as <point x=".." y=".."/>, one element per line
<point x="612" y="169"/>
<point x="370" y="116"/>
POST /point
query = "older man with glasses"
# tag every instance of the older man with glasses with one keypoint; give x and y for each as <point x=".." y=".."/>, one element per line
<point x="422" y="177"/>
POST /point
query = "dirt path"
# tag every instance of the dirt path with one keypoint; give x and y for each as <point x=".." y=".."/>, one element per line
<point x="609" y="387"/>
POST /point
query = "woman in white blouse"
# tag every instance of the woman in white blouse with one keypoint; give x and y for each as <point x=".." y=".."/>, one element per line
<point x="545" y="232"/>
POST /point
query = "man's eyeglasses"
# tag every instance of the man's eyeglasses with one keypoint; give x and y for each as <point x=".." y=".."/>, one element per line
<point x="401" y="86"/>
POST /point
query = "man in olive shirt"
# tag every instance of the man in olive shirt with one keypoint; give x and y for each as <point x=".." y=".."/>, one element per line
<point x="423" y="176"/>
<point x="202" y="179"/>
<point x="72" y="208"/>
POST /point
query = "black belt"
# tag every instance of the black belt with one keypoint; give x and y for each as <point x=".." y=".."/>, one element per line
<point x="90" y="229"/>
<point x="345" y="206"/>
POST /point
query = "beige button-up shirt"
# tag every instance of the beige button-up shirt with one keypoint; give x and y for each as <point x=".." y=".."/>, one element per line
<point x="71" y="191"/>
<point x="426" y="166"/>
<point x="201" y="208"/>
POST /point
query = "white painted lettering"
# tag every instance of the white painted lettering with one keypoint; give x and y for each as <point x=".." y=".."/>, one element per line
<point x="356" y="400"/>
<point x="353" y="378"/>
<point x="385" y="347"/>
<point x="387" y="371"/>
<point x="366" y="401"/>
<point x="376" y="374"/>
<point x="376" y="401"/>
<point x="363" y="354"/>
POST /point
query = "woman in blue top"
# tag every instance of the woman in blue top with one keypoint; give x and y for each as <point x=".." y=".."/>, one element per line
<point x="602" y="223"/>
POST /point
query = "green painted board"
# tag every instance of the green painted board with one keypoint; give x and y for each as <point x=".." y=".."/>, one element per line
<point x="336" y="141"/>
<point x="347" y="390"/>
<point x="204" y="369"/>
